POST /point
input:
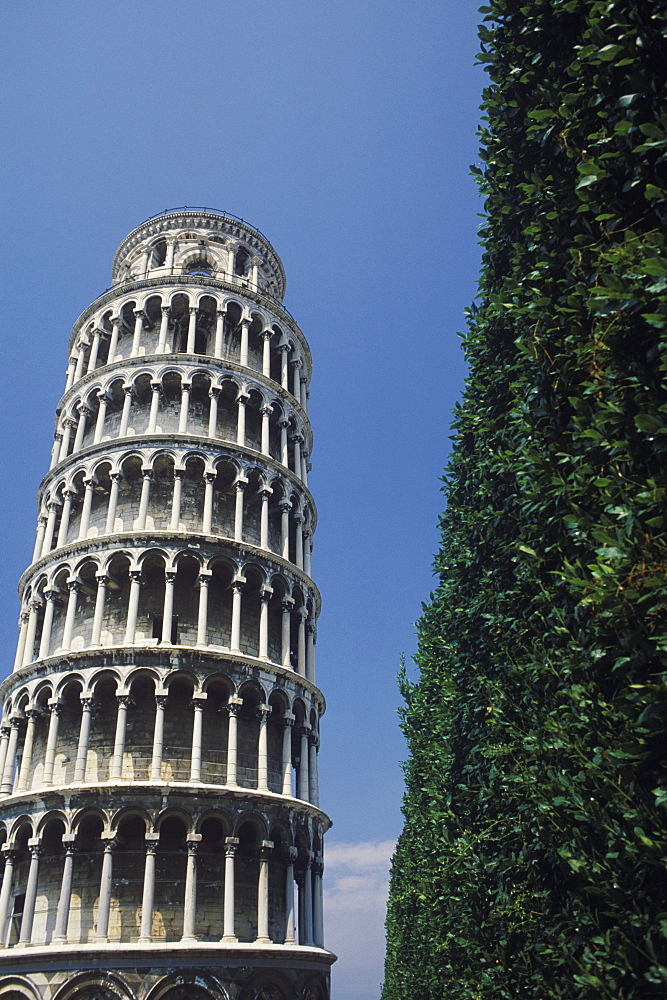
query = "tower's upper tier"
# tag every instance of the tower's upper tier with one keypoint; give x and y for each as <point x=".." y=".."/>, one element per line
<point x="204" y="242"/>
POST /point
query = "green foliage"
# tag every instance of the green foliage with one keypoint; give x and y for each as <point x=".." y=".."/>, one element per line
<point x="532" y="860"/>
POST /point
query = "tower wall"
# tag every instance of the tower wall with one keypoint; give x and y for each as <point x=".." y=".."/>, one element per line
<point x="159" y="799"/>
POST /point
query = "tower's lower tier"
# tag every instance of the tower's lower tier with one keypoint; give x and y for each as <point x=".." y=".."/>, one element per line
<point x="157" y="972"/>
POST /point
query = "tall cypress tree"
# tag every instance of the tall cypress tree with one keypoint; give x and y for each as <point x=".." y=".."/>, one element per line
<point x="531" y="864"/>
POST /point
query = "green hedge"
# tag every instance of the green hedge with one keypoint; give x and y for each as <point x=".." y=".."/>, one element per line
<point x="532" y="860"/>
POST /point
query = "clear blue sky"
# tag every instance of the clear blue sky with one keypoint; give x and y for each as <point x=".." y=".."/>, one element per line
<point x="344" y="131"/>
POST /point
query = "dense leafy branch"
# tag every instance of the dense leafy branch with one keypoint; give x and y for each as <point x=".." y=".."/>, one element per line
<point x="531" y="863"/>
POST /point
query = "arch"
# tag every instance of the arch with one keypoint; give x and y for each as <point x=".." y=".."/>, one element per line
<point x="192" y="984"/>
<point x="95" y="986"/>
<point x="18" y="988"/>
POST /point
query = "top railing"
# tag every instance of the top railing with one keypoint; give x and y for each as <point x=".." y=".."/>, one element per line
<point x="203" y="208"/>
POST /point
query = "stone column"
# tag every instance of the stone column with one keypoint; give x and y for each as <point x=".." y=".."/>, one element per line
<point x="303" y="783"/>
<point x="10" y="760"/>
<point x="168" y="606"/>
<point x="30" y="893"/>
<point x="145" y="497"/>
<point x="295" y="365"/>
<point x="98" y="615"/>
<point x="101" y="417"/>
<point x="237" y="591"/>
<point x="202" y="615"/>
<point x="262" y="749"/>
<point x="10" y="856"/>
<point x="285" y="508"/>
<point x="176" y="499"/>
<point x="53" y="508"/>
<point x="80" y="358"/>
<point x="284" y="365"/>
<point x="113" y="503"/>
<point x="266" y="352"/>
<point x="219" y="332"/>
<point x="198" y="702"/>
<point x="241" y="401"/>
<point x="84" y="739"/>
<point x="64" y="900"/>
<point x="51" y="742"/>
<point x="74" y="586"/>
<point x="297" y="440"/>
<point x="265" y="597"/>
<point x="185" y="403"/>
<point x="301" y="643"/>
<point x="311" y="632"/>
<point x="263" y="893"/>
<point x="286" y="608"/>
<point x="51" y="597"/>
<point x="228" y="935"/>
<point x="98" y="334"/>
<point x="123" y="702"/>
<point x="266" y="411"/>
<point x="23" y="783"/>
<point x="318" y="903"/>
<point x="214" y="396"/>
<point x="104" y="904"/>
<point x="155" y="403"/>
<point x="39" y="540"/>
<point x="284" y="453"/>
<point x="245" y="325"/>
<point x="5" y="731"/>
<point x="233" y="707"/>
<point x="239" y="486"/>
<point x="158" y="736"/>
<point x="288" y="722"/>
<point x="116" y="323"/>
<point x="148" y="895"/>
<point x="71" y="368"/>
<point x="68" y="425"/>
<point x="24" y="617"/>
<point x="169" y="262"/>
<point x="164" y="327"/>
<point x="207" y="519"/>
<point x="307" y="551"/>
<point x="84" y="413"/>
<point x="298" y="544"/>
<point x="89" y="485"/>
<point x="264" y="518"/>
<point x="69" y="496"/>
<point x="308" y="902"/>
<point x="190" y="903"/>
<point x="313" y="776"/>
<point x="31" y="632"/>
<point x="125" y="415"/>
<point x="139" y="317"/>
<point x="290" y="928"/>
<point x="192" y="329"/>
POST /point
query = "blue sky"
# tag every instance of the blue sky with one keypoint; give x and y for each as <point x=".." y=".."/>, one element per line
<point x="344" y="131"/>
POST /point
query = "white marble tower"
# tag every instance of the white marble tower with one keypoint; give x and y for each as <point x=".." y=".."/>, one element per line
<point x="159" y="805"/>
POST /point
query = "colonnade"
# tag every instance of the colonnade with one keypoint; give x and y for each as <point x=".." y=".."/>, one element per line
<point x="77" y="425"/>
<point x="54" y="522"/>
<point x="265" y="774"/>
<point x="112" y="330"/>
<point x="302" y="919"/>
<point x="285" y="625"/>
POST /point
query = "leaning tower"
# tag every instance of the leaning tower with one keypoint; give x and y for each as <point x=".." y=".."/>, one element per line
<point x="159" y="809"/>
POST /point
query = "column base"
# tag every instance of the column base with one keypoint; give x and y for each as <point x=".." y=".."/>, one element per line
<point x="229" y="939"/>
